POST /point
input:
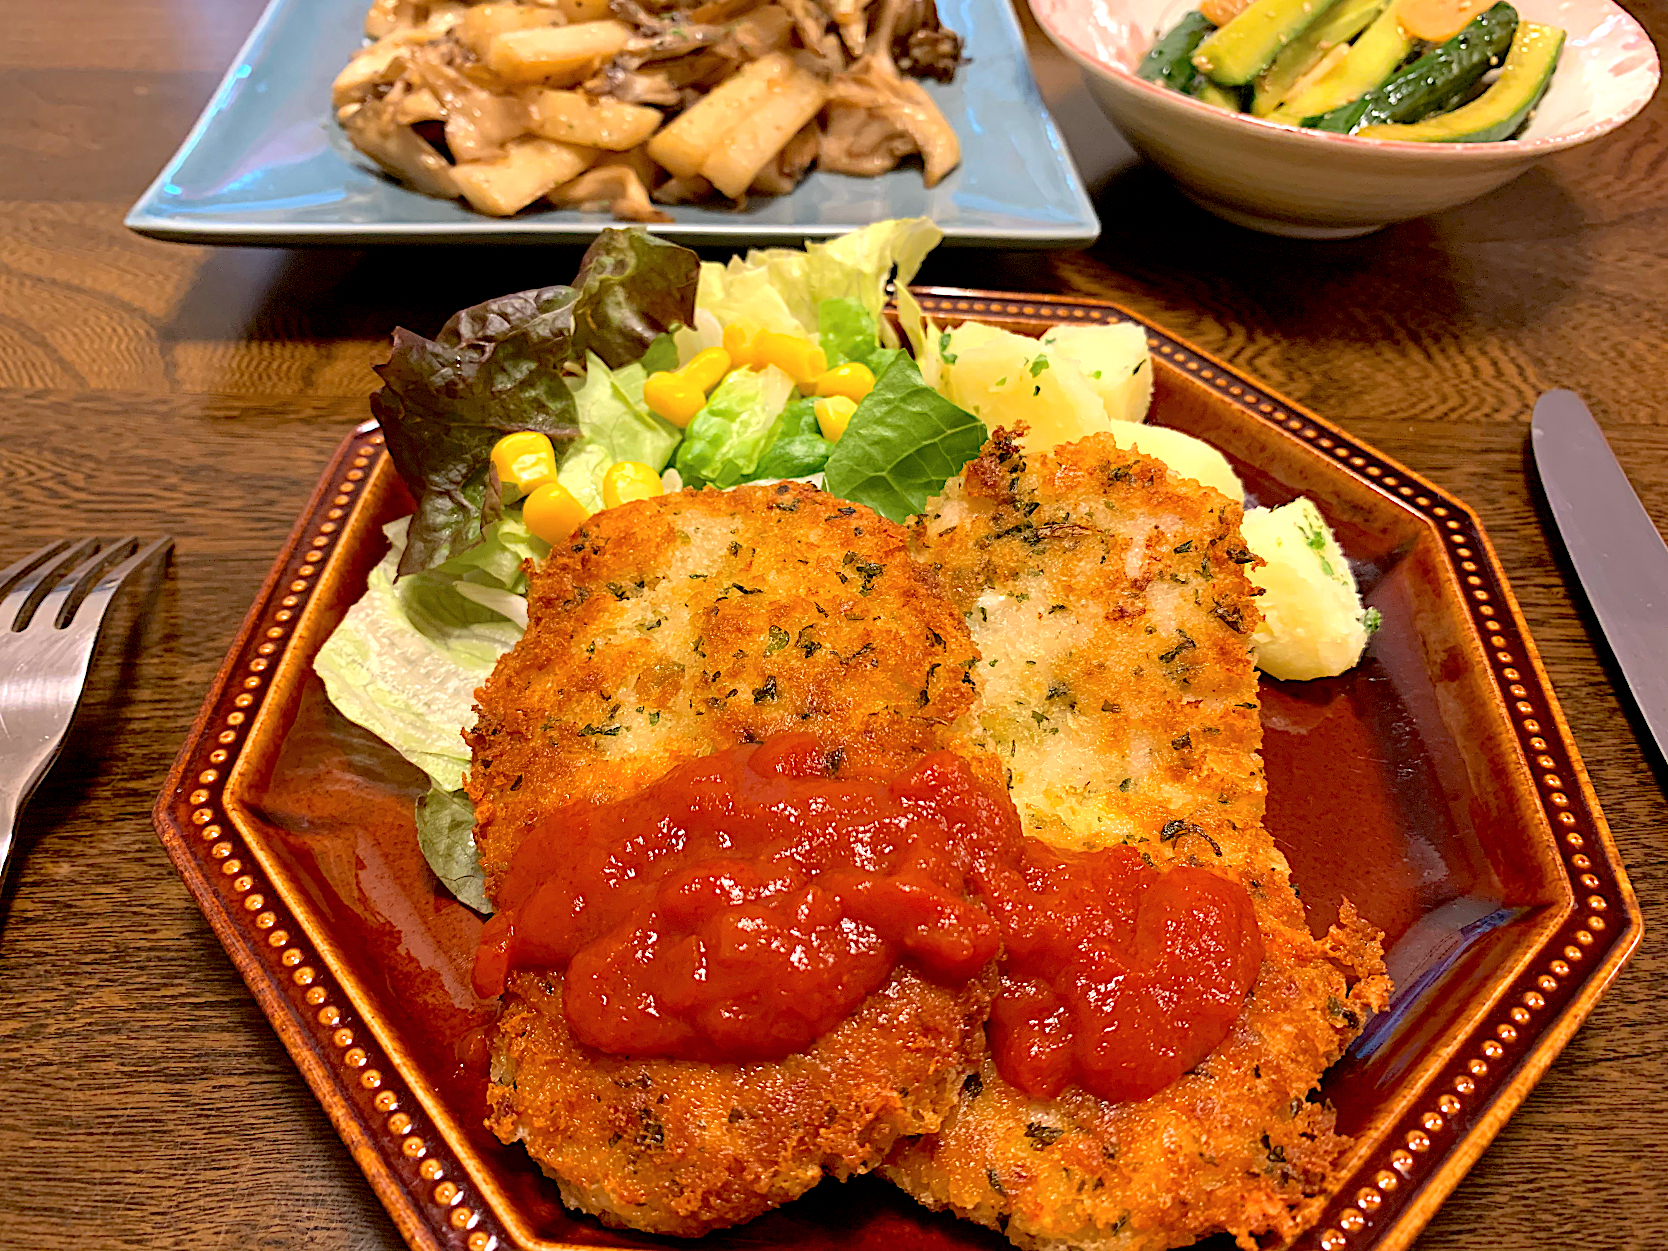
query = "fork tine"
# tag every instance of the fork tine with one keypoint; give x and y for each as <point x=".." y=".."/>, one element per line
<point x="30" y="562"/>
<point x="19" y="606"/>
<point x="97" y="599"/>
<point x="58" y="606"/>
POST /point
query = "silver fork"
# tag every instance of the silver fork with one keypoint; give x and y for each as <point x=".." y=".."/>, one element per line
<point x="55" y="601"/>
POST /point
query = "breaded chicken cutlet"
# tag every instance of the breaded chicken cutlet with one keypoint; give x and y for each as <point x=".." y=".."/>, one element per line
<point x="671" y="629"/>
<point x="676" y="627"/>
<point x="683" y="1147"/>
<point x="1109" y="604"/>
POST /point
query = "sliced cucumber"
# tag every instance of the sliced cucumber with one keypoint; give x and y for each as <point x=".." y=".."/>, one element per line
<point x="1434" y="78"/>
<point x="1242" y="49"/>
<point x="1230" y="98"/>
<point x="1372" y="59"/>
<point x="1503" y="108"/>
<point x="1168" y="61"/>
<point x="1343" y="22"/>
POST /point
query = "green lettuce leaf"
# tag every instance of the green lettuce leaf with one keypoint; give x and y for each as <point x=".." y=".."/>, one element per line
<point x="498" y="367"/>
<point x="800" y="450"/>
<point x="407" y="657"/>
<point x="446" y="833"/>
<point x="904" y="442"/>
<point x="616" y="425"/>
<point x="784" y="289"/>
<point x="726" y="440"/>
<point x="847" y="331"/>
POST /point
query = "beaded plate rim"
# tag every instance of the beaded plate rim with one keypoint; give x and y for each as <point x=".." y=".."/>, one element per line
<point x="407" y="1152"/>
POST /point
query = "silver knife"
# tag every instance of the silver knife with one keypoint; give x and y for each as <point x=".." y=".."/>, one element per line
<point x="1617" y="553"/>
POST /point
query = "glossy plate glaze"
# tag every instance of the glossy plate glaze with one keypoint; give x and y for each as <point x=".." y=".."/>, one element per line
<point x="1435" y="785"/>
<point x="267" y="164"/>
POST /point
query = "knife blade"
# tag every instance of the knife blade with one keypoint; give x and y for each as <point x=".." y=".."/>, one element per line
<point x="1619" y="558"/>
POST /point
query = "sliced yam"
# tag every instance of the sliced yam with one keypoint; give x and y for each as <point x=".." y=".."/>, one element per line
<point x="1438" y="20"/>
<point x="555" y="54"/>
<point x="480" y="24"/>
<point x="684" y="144"/>
<point x="592" y="122"/>
<point x="790" y="104"/>
<point x="530" y="168"/>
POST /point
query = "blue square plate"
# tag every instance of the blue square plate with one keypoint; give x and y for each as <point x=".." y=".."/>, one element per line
<point x="266" y="163"/>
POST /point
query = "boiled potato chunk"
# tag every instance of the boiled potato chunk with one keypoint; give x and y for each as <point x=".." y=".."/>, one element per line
<point x="1182" y="454"/>
<point x="1115" y="361"/>
<point x="1313" y="623"/>
<point x="1009" y="380"/>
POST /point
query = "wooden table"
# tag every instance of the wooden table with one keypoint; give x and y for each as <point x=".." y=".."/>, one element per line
<point x="145" y="1102"/>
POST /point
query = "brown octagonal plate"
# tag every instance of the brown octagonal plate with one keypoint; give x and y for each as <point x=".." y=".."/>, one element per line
<point x="1435" y="784"/>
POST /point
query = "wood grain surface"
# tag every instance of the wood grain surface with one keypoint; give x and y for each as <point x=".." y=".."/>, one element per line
<point x="145" y="1102"/>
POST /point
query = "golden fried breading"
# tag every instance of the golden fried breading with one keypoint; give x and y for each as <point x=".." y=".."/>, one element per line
<point x="1234" y="1145"/>
<point x="670" y="629"/>
<point x="1108" y="602"/>
<point x="1107" y="598"/>
<point x="681" y="1147"/>
<point x="689" y="623"/>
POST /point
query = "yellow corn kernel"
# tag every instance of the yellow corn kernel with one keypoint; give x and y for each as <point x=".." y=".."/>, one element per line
<point x="741" y="341"/>
<point x="706" y="369"/>
<point x="673" y="397"/>
<point x="552" y="512"/>
<point x="630" y="480"/>
<point x="800" y="359"/>
<point x="834" y="415"/>
<point x="523" y="460"/>
<point x="853" y="380"/>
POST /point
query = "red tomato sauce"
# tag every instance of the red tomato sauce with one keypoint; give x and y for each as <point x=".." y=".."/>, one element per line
<point x="742" y="906"/>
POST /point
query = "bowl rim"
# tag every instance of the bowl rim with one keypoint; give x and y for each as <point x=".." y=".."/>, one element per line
<point x="1531" y="148"/>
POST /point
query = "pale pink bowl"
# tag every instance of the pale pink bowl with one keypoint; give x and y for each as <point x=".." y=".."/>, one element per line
<point x="1324" y="186"/>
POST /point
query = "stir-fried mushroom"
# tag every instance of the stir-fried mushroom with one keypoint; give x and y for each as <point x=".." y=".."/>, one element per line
<point x="478" y="122"/>
<point x="783" y="174"/>
<point x="851" y="20"/>
<point x="398" y="148"/>
<point x="860" y="141"/>
<point x="921" y="46"/>
<point x="812" y="25"/>
<point x="691" y="190"/>
<point x="628" y="103"/>
<point x="875" y="85"/>
<point x="616" y="187"/>
<point x="632" y="86"/>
